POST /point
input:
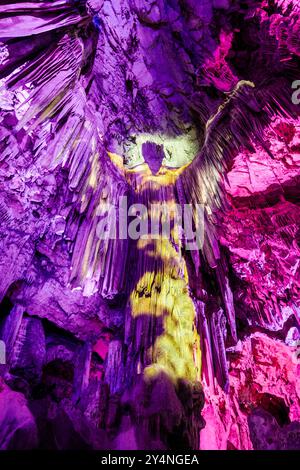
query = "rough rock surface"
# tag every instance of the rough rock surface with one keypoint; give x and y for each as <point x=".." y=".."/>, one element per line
<point x="208" y="84"/>
<point x="264" y="385"/>
<point x="17" y="425"/>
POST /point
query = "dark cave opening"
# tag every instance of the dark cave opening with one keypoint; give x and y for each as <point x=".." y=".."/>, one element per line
<point x="276" y="407"/>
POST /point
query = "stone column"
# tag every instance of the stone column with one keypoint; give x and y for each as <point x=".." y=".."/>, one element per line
<point x="82" y="370"/>
<point x="11" y="329"/>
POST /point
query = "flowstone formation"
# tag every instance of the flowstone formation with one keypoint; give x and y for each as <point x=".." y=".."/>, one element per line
<point x="114" y="336"/>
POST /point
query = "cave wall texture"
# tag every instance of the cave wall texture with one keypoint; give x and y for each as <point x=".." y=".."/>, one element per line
<point x="142" y="344"/>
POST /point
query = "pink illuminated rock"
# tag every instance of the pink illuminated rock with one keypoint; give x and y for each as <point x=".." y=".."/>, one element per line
<point x="263" y="375"/>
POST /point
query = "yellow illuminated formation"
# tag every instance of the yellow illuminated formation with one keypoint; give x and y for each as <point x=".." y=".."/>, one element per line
<point x="163" y="292"/>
